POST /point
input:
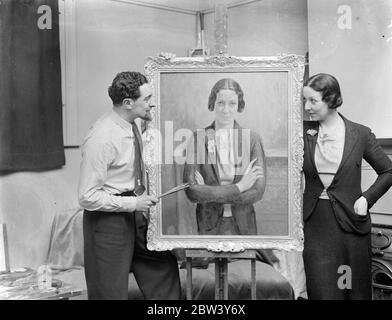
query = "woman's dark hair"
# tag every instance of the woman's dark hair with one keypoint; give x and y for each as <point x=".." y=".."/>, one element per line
<point x="126" y="85"/>
<point x="228" y="84"/>
<point x="329" y="88"/>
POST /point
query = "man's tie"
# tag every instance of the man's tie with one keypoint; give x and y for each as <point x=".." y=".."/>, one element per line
<point x="138" y="164"/>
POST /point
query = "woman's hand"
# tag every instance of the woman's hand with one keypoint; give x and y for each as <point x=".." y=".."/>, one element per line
<point x="248" y="179"/>
<point x="361" y="206"/>
<point x="199" y="178"/>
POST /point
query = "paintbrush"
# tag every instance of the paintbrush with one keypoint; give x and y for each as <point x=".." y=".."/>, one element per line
<point x="175" y="189"/>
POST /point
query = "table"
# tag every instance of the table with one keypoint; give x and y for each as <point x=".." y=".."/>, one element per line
<point x="23" y="285"/>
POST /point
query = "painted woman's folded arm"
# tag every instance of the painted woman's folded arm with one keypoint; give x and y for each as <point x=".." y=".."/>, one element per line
<point x="229" y="194"/>
<point x="255" y="193"/>
<point x="252" y="195"/>
<point x="205" y="193"/>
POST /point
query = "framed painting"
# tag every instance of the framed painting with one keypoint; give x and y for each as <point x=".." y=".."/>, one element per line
<point x="229" y="131"/>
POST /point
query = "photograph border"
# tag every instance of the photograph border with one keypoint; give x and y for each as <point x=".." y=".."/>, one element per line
<point x="294" y="65"/>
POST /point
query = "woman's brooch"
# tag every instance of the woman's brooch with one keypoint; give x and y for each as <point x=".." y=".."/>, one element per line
<point x="211" y="146"/>
<point x="211" y="141"/>
<point x="311" y="132"/>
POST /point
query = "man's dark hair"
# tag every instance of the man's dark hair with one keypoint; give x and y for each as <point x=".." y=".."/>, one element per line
<point x="126" y="85"/>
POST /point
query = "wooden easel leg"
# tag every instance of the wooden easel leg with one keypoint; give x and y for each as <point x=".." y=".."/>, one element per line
<point x="4" y="256"/>
<point x="221" y="271"/>
<point x="217" y="279"/>
<point x="221" y="279"/>
<point x="225" y="279"/>
<point x="189" y="278"/>
<point x="253" y="278"/>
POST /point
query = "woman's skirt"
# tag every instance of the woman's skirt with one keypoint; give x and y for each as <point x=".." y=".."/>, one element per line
<point x="337" y="263"/>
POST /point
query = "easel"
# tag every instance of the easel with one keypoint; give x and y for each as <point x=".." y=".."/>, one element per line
<point x="4" y="255"/>
<point x="221" y="270"/>
<point x="221" y="258"/>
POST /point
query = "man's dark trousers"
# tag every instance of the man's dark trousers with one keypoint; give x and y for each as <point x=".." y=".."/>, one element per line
<point x="114" y="246"/>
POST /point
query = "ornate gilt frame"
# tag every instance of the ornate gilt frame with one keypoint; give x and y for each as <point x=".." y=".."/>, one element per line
<point x="294" y="66"/>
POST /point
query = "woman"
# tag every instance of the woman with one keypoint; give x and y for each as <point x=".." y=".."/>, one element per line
<point x="337" y="247"/>
<point x="225" y="184"/>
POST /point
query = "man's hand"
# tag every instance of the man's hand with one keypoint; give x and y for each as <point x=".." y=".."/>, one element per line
<point x="361" y="206"/>
<point x="144" y="202"/>
<point x="249" y="178"/>
<point x="167" y="55"/>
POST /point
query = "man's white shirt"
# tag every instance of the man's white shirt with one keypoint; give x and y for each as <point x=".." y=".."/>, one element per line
<point x="107" y="167"/>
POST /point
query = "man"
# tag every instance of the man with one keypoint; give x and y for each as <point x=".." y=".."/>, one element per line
<point x="111" y="190"/>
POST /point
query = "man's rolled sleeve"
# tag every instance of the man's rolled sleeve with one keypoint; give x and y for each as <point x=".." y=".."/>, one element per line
<point x="129" y="204"/>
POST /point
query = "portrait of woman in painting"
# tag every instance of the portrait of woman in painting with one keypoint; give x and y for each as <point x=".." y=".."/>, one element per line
<point x="225" y="196"/>
<point x="230" y="175"/>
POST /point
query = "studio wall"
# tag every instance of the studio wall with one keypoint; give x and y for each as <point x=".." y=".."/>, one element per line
<point x="352" y="39"/>
<point x="264" y="28"/>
